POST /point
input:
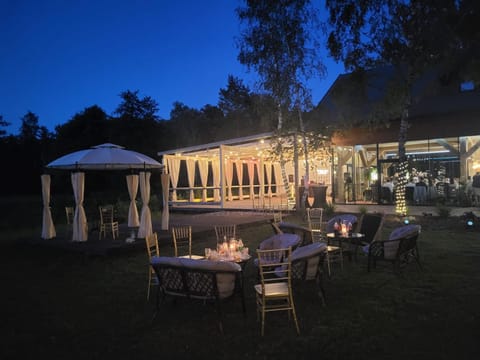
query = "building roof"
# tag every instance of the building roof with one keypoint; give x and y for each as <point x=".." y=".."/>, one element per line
<point x="439" y="108"/>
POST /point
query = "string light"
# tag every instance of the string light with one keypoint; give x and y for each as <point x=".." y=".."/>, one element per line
<point x="401" y="204"/>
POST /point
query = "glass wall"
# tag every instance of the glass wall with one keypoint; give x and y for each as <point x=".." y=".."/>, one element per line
<point x="368" y="173"/>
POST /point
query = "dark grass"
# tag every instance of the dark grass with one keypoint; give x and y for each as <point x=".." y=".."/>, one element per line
<point x="60" y="305"/>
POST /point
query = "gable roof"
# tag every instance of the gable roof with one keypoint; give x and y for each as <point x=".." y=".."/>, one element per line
<point x="354" y="98"/>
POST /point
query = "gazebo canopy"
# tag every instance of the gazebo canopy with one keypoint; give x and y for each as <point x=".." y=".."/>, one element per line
<point x="104" y="157"/>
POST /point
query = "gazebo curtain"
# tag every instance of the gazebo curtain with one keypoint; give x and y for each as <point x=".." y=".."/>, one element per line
<point x="216" y="179"/>
<point x="251" y="177"/>
<point x="261" y="179"/>
<point x="277" y="169"/>
<point x="239" y="165"/>
<point x="173" y="165"/>
<point x="145" y="216"/>
<point x="80" y="227"/>
<point x="165" y="179"/>
<point x="229" y="177"/>
<point x="132" y="184"/>
<point x="48" y="229"/>
<point x="203" y="170"/>
<point x="268" y="172"/>
<point x="191" y="178"/>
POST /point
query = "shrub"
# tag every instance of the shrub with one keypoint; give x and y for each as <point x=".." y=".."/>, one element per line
<point x="443" y="211"/>
<point x="362" y="210"/>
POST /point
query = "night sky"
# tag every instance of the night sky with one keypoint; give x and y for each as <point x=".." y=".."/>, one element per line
<point x="59" y="57"/>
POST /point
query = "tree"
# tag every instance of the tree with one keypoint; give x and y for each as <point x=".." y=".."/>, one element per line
<point x="278" y="42"/>
<point x="132" y="107"/>
<point x="3" y="124"/>
<point x="185" y="123"/>
<point x="236" y="104"/>
<point x="86" y="128"/>
<point x="30" y="128"/>
<point x="412" y="36"/>
<point x="137" y="126"/>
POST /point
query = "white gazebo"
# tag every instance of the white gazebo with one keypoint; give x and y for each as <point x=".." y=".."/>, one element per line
<point x="103" y="157"/>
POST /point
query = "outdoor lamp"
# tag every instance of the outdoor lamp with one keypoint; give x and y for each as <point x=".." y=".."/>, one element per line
<point x="469" y="219"/>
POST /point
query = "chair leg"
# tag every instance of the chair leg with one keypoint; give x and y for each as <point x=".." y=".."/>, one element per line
<point x="220" y="316"/>
<point x="149" y="285"/>
<point x="321" y="290"/>
<point x="294" y="314"/>
<point x="263" y="321"/>
<point x="328" y="265"/>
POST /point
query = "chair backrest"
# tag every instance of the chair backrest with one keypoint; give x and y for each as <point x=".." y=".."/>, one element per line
<point x="280" y="241"/>
<point x="69" y="213"/>
<point x="371" y="226"/>
<point x="106" y="214"/>
<point x="229" y="231"/>
<point x="277" y="217"/>
<point x="329" y="228"/>
<point x="151" y="243"/>
<point x="200" y="279"/>
<point x="275" y="265"/>
<point x="315" y="218"/>
<point x="406" y="237"/>
<point x="182" y="237"/>
<point x="307" y="261"/>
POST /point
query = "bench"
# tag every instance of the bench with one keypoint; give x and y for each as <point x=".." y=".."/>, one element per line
<point x="194" y="279"/>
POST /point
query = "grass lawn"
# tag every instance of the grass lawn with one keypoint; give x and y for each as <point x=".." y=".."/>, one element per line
<point x="58" y="305"/>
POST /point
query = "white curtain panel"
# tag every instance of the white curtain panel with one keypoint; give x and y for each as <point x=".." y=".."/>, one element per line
<point x="173" y="164"/>
<point x="277" y="169"/>
<point x="261" y="179"/>
<point x="216" y="180"/>
<point x="251" y="176"/>
<point x="165" y="178"/>
<point x="239" y="165"/>
<point x="145" y="216"/>
<point x="228" y="178"/>
<point x="203" y="169"/>
<point x="132" y="184"/>
<point x="80" y="227"/>
<point x="48" y="229"/>
<point x="191" y="178"/>
<point x="268" y="172"/>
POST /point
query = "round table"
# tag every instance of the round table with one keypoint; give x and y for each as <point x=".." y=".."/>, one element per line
<point x="351" y="239"/>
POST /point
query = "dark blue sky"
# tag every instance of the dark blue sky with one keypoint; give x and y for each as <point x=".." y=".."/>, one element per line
<point x="59" y="56"/>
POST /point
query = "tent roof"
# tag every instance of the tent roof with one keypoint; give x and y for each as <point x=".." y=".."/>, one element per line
<point x="104" y="157"/>
<point x="242" y="148"/>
